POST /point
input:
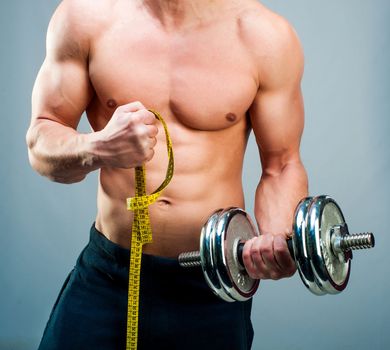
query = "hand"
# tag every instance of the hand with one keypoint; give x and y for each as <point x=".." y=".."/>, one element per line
<point x="128" y="139"/>
<point x="268" y="257"/>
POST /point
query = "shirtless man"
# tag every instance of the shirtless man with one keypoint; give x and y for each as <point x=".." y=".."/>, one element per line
<point x="214" y="69"/>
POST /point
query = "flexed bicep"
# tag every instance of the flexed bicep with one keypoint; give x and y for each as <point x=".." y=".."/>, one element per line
<point x="61" y="93"/>
<point x="277" y="113"/>
<point x="62" y="90"/>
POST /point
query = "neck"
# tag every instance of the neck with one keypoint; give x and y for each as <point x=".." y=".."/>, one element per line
<point x="176" y="13"/>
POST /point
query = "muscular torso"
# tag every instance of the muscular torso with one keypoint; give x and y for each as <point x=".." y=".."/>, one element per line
<point x="203" y="82"/>
<point x="215" y="69"/>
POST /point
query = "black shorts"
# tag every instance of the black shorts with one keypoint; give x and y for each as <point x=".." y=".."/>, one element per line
<point x="177" y="308"/>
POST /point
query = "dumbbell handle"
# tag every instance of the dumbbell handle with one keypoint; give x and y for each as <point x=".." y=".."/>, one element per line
<point x="346" y="243"/>
<point x="192" y="259"/>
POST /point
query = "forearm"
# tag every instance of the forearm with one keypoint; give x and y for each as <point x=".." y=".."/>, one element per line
<point x="60" y="152"/>
<point x="277" y="196"/>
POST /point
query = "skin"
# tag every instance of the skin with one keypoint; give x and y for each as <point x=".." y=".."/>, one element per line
<point x="214" y="70"/>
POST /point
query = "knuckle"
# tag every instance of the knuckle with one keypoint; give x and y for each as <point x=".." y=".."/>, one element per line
<point x="143" y="132"/>
<point x="137" y="104"/>
<point x="120" y="108"/>
<point x="246" y="250"/>
<point x="254" y="252"/>
<point x="149" y="117"/>
<point x="150" y="155"/>
<point x="133" y="122"/>
<point x="280" y="242"/>
<point x="151" y="131"/>
<point x="154" y="142"/>
<point x="140" y="131"/>
<point x="279" y="249"/>
<point x="246" y="258"/>
<point x="267" y="250"/>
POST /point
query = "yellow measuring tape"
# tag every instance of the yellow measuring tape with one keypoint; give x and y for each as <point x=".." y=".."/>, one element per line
<point x="142" y="234"/>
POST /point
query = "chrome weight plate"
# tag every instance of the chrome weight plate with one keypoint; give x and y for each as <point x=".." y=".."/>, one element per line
<point x="331" y="271"/>
<point x="234" y="226"/>
<point x="301" y="254"/>
<point x="207" y="257"/>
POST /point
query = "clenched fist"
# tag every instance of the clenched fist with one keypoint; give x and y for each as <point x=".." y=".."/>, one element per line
<point x="268" y="257"/>
<point x="128" y="139"/>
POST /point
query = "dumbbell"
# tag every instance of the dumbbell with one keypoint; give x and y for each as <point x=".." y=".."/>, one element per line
<point x="320" y="245"/>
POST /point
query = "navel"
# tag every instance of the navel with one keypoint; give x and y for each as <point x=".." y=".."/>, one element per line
<point x="163" y="203"/>
<point x="111" y="103"/>
<point x="231" y="117"/>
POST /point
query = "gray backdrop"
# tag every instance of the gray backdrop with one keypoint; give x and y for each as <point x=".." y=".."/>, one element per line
<point x="345" y="149"/>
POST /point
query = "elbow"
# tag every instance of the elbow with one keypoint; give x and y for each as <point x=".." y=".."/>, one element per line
<point x="65" y="180"/>
<point x="31" y="142"/>
<point x="45" y="165"/>
<point x="30" y="139"/>
<point x="47" y="161"/>
<point x="34" y="163"/>
<point x="39" y="165"/>
<point x="37" y="161"/>
<point x="44" y="169"/>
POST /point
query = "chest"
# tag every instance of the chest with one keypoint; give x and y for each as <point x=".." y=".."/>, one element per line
<point x="205" y="77"/>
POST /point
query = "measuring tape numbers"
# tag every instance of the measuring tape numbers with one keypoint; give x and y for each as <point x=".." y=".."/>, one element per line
<point x="142" y="234"/>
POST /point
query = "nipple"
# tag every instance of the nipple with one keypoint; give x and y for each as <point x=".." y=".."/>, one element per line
<point x="231" y="117"/>
<point x="111" y="103"/>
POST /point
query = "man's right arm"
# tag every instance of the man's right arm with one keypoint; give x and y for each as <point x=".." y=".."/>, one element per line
<point x="61" y="93"/>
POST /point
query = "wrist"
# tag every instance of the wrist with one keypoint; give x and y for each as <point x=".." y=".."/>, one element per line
<point x="275" y="229"/>
<point x="92" y="155"/>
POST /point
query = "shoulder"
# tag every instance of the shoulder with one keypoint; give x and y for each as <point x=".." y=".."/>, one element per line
<point x="261" y="29"/>
<point x="271" y="40"/>
<point x="75" y="23"/>
<point x="85" y="10"/>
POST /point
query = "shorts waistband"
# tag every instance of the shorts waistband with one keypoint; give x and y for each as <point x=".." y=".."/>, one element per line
<point x="112" y="251"/>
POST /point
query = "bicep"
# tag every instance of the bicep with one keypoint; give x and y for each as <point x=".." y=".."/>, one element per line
<point x="61" y="92"/>
<point x="62" y="89"/>
<point x="277" y="113"/>
<point x="277" y="118"/>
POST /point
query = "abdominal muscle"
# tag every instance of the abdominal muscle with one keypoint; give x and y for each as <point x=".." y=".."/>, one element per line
<point x="207" y="177"/>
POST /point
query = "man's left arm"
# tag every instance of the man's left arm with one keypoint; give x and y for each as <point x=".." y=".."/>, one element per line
<point x="277" y="116"/>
